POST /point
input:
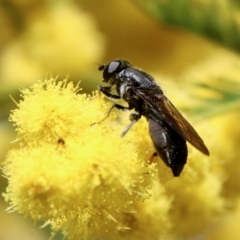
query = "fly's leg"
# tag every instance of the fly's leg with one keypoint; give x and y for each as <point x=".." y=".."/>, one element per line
<point x="151" y="159"/>
<point x="120" y="107"/>
<point x="134" y="117"/>
<point x="107" y="92"/>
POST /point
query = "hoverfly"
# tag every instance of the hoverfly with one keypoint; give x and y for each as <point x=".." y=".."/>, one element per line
<point x="168" y="129"/>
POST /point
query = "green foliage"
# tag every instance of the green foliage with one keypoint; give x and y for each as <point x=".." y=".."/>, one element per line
<point x="229" y="98"/>
<point x="218" y="20"/>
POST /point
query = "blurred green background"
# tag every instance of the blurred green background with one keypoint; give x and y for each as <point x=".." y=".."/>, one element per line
<point x="190" y="46"/>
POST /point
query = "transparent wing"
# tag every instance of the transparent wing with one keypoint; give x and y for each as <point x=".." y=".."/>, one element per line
<point x="167" y="112"/>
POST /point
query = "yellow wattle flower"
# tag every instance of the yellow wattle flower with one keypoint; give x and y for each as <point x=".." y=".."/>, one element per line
<point x="68" y="171"/>
<point x="87" y="181"/>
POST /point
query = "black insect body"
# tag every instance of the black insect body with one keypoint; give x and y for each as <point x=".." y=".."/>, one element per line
<point x="171" y="146"/>
<point x="168" y="129"/>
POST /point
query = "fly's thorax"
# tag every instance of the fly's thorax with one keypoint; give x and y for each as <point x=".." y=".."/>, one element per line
<point x="136" y="78"/>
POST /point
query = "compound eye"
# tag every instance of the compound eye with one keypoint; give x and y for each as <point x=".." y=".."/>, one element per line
<point x="110" y="70"/>
<point x="113" y="66"/>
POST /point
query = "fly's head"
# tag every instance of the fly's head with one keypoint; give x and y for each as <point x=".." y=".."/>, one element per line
<point x="112" y="69"/>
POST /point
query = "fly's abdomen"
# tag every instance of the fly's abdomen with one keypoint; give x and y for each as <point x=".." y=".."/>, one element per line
<point x="170" y="146"/>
